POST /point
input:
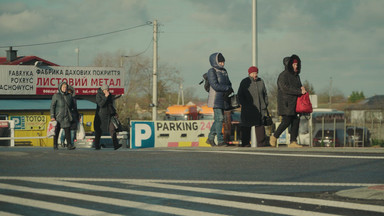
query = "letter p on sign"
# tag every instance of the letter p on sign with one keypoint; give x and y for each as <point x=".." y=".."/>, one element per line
<point x="143" y="134"/>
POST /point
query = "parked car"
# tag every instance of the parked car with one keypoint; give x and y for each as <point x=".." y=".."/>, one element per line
<point x="89" y="141"/>
<point x="327" y="141"/>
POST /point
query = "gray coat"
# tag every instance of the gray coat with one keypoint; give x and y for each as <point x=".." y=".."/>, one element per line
<point x="253" y="98"/>
<point x="62" y="107"/>
<point x="288" y="88"/>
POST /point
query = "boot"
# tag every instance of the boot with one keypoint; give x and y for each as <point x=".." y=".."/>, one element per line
<point x="55" y="147"/>
<point x="272" y="141"/>
<point x="294" y="145"/>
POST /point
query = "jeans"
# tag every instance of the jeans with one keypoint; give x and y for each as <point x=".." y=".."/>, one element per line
<point x="294" y="122"/>
<point x="217" y="126"/>
<point x="73" y="134"/>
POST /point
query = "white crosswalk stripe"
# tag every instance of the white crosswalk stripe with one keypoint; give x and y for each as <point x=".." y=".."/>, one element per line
<point x="82" y="190"/>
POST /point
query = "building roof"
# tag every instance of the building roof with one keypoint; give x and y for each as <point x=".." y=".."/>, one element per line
<point x="26" y="60"/>
<point x="38" y="104"/>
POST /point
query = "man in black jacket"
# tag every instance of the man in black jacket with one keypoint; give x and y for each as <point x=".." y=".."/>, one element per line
<point x="104" y="112"/>
<point x="289" y="88"/>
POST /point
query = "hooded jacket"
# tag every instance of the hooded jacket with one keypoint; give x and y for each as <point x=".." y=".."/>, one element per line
<point x="253" y="98"/>
<point x="219" y="83"/>
<point x="288" y="87"/>
<point x="61" y="107"/>
<point x="104" y="111"/>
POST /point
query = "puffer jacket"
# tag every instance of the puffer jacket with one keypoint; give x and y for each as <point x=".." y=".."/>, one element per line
<point x="104" y="111"/>
<point x="61" y="107"/>
<point x="288" y="87"/>
<point x="219" y="81"/>
<point x="253" y="98"/>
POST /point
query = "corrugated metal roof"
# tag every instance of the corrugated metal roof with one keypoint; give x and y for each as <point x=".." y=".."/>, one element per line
<point x="38" y="104"/>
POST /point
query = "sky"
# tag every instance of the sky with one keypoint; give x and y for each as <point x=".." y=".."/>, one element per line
<point x="340" y="42"/>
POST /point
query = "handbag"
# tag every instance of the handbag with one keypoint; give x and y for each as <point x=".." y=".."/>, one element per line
<point x="303" y="104"/>
<point x="117" y="124"/>
<point x="231" y="102"/>
<point x="267" y="120"/>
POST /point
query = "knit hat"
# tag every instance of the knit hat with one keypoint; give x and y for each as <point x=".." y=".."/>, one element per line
<point x="253" y="69"/>
<point x="220" y="58"/>
<point x="104" y="87"/>
<point x="295" y="61"/>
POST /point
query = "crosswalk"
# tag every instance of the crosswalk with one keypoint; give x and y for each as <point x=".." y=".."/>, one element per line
<point x="93" y="196"/>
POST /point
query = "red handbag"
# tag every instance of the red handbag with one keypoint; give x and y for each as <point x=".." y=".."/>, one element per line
<point x="303" y="104"/>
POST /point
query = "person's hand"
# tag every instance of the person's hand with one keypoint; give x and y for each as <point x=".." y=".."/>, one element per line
<point x="106" y="93"/>
<point x="228" y="92"/>
<point x="303" y="91"/>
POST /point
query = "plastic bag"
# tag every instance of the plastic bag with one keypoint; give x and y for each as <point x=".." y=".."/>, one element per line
<point x="51" y="128"/>
<point x="80" y="133"/>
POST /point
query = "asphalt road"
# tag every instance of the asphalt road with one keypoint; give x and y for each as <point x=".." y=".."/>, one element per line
<point x="192" y="181"/>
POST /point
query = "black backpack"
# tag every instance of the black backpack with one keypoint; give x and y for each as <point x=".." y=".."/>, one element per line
<point x="205" y="81"/>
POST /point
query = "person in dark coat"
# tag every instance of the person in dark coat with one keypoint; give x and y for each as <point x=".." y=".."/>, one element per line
<point x="104" y="112"/>
<point x="253" y="98"/>
<point x="61" y="111"/>
<point x="289" y="89"/>
<point x="220" y="88"/>
<point x="75" y="115"/>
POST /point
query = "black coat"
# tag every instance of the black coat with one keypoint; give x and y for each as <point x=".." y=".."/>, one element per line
<point x="288" y="88"/>
<point x="253" y="98"/>
<point x="104" y="111"/>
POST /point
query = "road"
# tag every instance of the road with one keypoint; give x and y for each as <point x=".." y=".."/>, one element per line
<point x="192" y="181"/>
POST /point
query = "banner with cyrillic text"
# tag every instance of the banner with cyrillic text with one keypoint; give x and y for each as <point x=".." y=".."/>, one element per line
<point x="44" y="80"/>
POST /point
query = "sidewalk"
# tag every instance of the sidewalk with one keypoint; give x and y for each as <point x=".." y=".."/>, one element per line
<point x="372" y="192"/>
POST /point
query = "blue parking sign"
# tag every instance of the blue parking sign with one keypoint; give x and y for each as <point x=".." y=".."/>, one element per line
<point x="19" y="122"/>
<point x="142" y="134"/>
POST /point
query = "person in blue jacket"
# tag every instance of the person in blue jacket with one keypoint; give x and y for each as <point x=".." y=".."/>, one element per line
<point x="220" y="88"/>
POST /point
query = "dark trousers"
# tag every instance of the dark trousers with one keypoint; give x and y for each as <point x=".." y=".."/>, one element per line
<point x="294" y="122"/>
<point x="112" y="132"/>
<point x="67" y="136"/>
<point x="246" y="135"/>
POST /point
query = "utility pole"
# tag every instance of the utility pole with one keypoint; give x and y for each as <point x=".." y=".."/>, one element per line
<point x="254" y="33"/>
<point x="254" y="59"/>
<point x="330" y="92"/>
<point x="77" y="50"/>
<point x="154" y="85"/>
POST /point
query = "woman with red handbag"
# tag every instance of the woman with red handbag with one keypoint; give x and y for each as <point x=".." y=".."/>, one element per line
<point x="289" y="88"/>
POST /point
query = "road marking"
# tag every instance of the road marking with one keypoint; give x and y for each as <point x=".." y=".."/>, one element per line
<point x="172" y="184"/>
<point x="286" y="155"/>
<point x="48" y="205"/>
<point x="2" y="213"/>
<point x="89" y="198"/>
<point x="311" y="201"/>
<point x="194" y="199"/>
<point x="170" y="181"/>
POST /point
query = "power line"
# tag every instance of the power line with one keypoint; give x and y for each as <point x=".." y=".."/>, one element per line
<point x="81" y="38"/>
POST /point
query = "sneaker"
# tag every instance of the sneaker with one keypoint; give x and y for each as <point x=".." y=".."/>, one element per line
<point x="71" y="147"/>
<point x="222" y="144"/>
<point x="211" y="142"/>
<point x="118" y="146"/>
<point x="272" y="141"/>
<point x="294" y="145"/>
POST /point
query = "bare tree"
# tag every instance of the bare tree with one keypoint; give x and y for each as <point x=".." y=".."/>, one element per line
<point x="134" y="104"/>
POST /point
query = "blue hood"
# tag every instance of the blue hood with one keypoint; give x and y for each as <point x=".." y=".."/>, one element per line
<point x="214" y="61"/>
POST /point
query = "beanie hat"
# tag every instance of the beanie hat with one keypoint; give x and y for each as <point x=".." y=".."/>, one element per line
<point x="220" y="58"/>
<point x="104" y="87"/>
<point x="253" y="69"/>
<point x="295" y="61"/>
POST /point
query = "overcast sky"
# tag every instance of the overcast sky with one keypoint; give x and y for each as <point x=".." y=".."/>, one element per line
<point x="342" y="40"/>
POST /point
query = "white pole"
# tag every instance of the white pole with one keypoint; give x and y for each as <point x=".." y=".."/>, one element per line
<point x="254" y="60"/>
<point x="154" y="93"/>
<point x="254" y="33"/>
